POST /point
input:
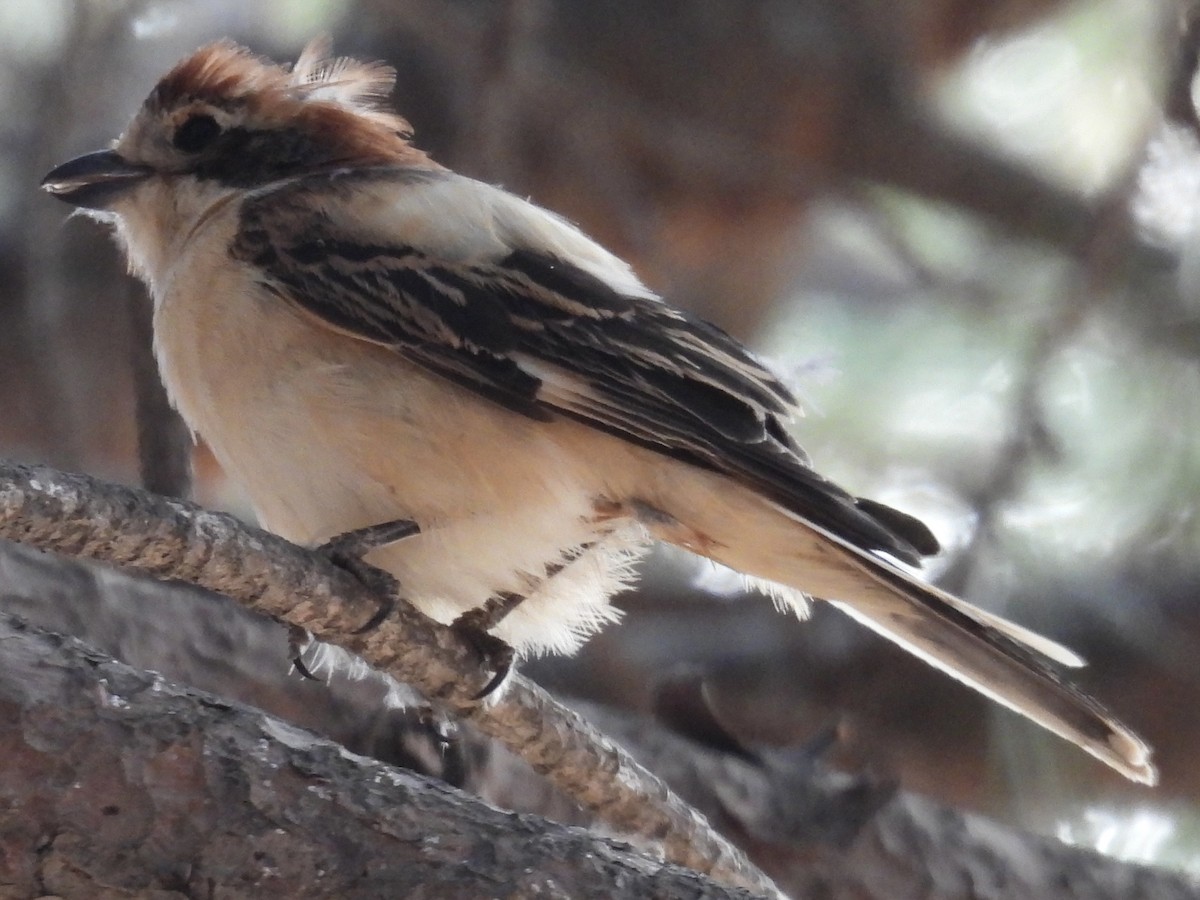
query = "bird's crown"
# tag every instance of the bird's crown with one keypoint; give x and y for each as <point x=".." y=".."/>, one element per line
<point x="225" y="113"/>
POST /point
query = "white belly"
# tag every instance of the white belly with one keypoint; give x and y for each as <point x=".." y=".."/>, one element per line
<point x="327" y="433"/>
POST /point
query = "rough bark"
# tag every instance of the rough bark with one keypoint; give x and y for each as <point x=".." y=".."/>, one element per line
<point x="117" y="784"/>
<point x="821" y="834"/>
<point x="818" y="833"/>
<point x="79" y="516"/>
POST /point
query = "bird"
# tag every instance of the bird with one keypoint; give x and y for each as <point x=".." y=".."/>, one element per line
<point x="488" y="405"/>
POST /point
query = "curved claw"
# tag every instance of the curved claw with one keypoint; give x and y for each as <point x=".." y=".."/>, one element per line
<point x="305" y="671"/>
<point x="494" y="654"/>
<point x="299" y="640"/>
<point x="377" y="618"/>
<point x="346" y="551"/>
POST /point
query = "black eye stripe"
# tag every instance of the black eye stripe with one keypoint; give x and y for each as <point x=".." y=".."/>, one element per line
<point x="246" y="158"/>
<point x="196" y="133"/>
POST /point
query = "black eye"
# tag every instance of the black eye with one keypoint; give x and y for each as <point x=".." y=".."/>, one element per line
<point x="196" y="133"/>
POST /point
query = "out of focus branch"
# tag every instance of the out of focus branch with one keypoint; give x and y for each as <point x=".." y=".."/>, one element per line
<point x="635" y="121"/>
<point x="164" y="442"/>
<point x="175" y="792"/>
<point x="788" y="814"/>
<point x="1029" y="435"/>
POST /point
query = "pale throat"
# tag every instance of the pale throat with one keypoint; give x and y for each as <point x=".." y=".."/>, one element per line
<point x="157" y="222"/>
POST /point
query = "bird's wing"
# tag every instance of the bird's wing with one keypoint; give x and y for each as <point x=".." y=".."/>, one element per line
<point x="518" y="305"/>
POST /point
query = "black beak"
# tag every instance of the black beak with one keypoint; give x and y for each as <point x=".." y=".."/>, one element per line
<point x="93" y="181"/>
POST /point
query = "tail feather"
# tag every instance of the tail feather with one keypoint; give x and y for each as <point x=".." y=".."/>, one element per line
<point x="966" y="644"/>
<point x="1002" y="660"/>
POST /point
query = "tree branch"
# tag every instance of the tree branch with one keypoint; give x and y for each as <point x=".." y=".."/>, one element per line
<point x="154" y="789"/>
<point x="816" y="831"/>
<point x="820" y="833"/>
<point x="78" y="516"/>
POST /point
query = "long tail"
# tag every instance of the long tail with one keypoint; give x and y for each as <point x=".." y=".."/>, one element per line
<point x="1000" y="659"/>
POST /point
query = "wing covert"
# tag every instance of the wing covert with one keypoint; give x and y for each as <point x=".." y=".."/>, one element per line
<point x="528" y="328"/>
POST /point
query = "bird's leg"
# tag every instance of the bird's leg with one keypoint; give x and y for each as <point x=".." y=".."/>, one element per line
<point x="475" y="625"/>
<point x="346" y="551"/>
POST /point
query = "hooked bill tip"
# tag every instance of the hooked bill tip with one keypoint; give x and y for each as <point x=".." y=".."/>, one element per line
<point x="93" y="180"/>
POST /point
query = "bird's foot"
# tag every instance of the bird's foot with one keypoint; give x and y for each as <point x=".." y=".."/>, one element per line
<point x="358" y="542"/>
<point x="346" y="551"/>
<point x="496" y="655"/>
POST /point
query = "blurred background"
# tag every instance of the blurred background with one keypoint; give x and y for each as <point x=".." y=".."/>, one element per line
<point x="967" y="233"/>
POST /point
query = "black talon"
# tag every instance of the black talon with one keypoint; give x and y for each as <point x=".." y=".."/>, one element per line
<point x="298" y="638"/>
<point x="305" y="671"/>
<point x="502" y="673"/>
<point x="346" y="551"/>
<point x="380" y="583"/>
<point x="494" y="653"/>
<point x="386" y="605"/>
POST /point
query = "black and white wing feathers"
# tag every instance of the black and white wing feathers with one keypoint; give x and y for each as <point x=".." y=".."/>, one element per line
<point x="540" y="319"/>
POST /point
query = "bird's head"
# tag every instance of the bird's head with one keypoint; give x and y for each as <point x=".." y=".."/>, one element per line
<point x="224" y="119"/>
